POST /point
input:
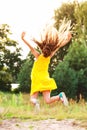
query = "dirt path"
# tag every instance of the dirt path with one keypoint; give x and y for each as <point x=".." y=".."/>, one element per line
<point x="51" y="124"/>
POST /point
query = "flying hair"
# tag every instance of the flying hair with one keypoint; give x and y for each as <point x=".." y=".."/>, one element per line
<point x="64" y="28"/>
<point x="51" y="38"/>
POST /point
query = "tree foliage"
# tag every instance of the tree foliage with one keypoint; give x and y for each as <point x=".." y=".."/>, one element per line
<point x="10" y="60"/>
<point x="24" y="76"/>
<point x="81" y="19"/>
<point x="77" y="13"/>
<point x="65" y="11"/>
<point x="71" y="74"/>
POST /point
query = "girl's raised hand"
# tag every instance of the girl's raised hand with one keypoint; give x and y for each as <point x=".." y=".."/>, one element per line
<point x="23" y="35"/>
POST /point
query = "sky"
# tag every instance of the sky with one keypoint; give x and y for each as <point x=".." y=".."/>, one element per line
<point x="27" y="15"/>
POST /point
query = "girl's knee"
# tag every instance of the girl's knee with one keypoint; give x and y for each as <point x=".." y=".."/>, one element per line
<point x="46" y="95"/>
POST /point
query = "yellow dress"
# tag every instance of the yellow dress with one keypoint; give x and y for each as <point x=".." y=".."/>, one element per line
<point x="40" y="80"/>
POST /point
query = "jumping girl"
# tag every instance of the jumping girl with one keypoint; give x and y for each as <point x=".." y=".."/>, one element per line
<point x="51" y="41"/>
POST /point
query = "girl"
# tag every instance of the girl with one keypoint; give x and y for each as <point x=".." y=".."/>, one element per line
<point x="51" y="41"/>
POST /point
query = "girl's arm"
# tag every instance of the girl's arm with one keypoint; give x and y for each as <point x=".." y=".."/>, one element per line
<point x="63" y="43"/>
<point x="34" y="52"/>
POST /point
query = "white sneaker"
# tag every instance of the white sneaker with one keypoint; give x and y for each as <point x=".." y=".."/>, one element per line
<point x="63" y="98"/>
<point x="36" y="103"/>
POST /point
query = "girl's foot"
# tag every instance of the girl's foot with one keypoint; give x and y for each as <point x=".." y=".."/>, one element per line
<point x="63" y="98"/>
<point x="37" y="107"/>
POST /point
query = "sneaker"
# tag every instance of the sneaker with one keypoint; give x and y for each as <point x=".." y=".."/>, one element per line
<point x="36" y="104"/>
<point x="63" y="98"/>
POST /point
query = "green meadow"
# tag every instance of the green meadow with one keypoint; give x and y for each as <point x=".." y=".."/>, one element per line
<point x="19" y="106"/>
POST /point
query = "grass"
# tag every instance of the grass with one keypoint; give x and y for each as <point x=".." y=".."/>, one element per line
<point x="19" y="106"/>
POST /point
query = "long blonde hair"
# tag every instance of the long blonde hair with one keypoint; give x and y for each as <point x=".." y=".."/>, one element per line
<point x="51" y="38"/>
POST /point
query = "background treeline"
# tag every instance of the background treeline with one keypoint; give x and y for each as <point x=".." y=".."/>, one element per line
<point x="68" y="66"/>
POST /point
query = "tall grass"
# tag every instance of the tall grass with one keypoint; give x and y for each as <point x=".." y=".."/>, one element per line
<point x="19" y="106"/>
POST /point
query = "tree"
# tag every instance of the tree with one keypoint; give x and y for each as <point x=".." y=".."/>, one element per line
<point x="71" y="74"/>
<point x="9" y="59"/>
<point x="24" y="76"/>
<point x="77" y="13"/>
<point x="5" y="80"/>
<point x="65" y="11"/>
<point x="58" y="57"/>
<point x="80" y="28"/>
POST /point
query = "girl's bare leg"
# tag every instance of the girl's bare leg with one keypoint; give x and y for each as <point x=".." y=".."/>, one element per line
<point x="48" y="99"/>
<point x="33" y="98"/>
<point x="61" y="96"/>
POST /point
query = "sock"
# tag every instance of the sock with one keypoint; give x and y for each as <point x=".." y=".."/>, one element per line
<point x="34" y="100"/>
<point x="60" y="95"/>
